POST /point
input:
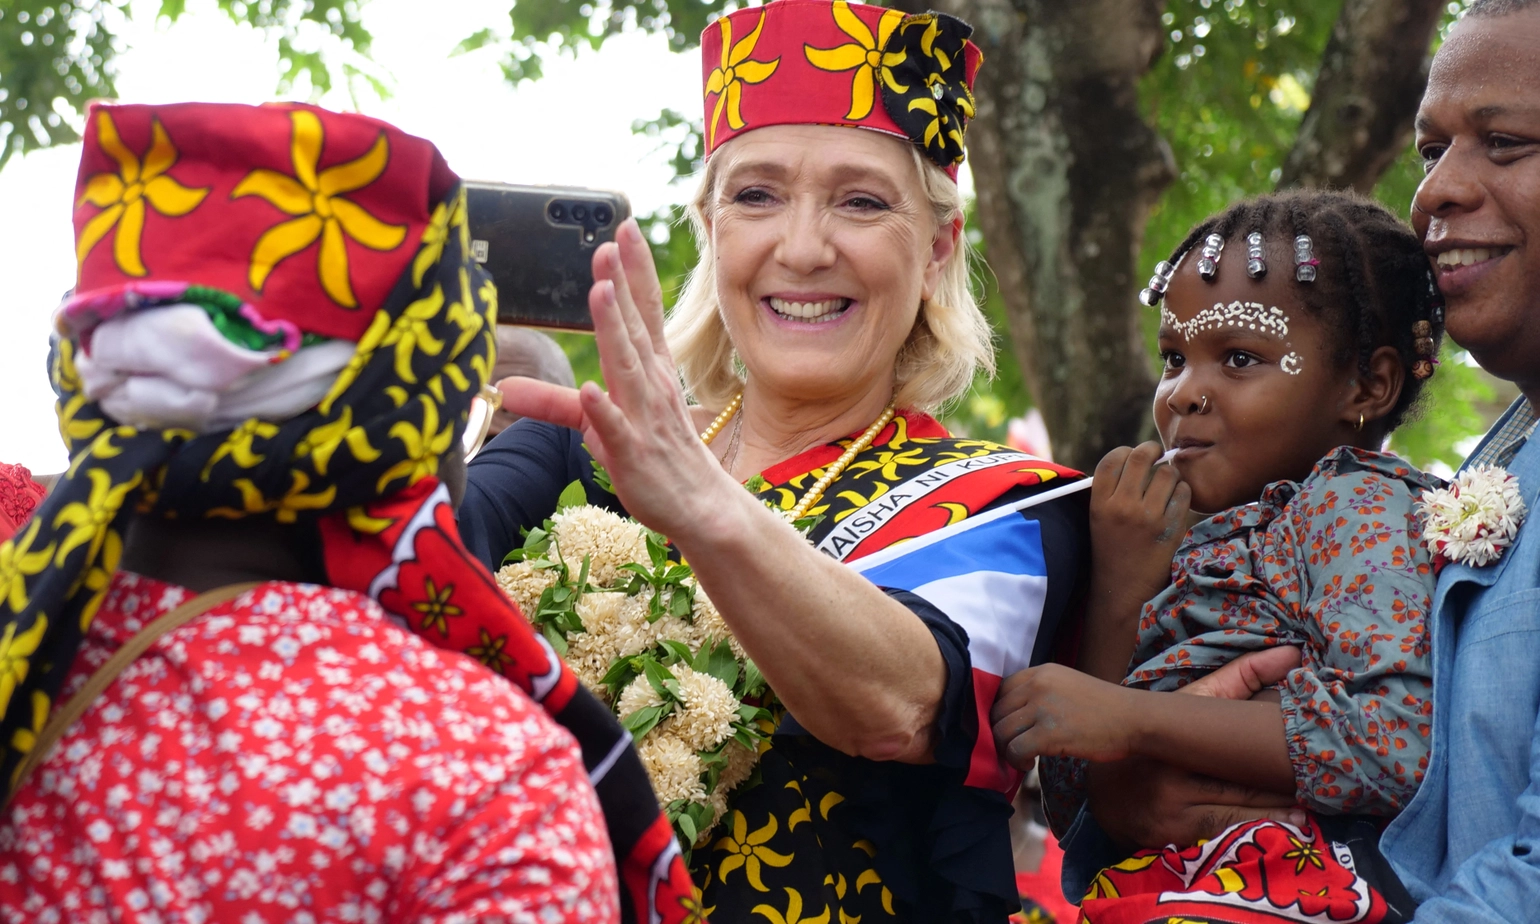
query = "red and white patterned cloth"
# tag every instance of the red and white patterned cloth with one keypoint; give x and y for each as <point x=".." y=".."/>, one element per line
<point x="291" y="755"/>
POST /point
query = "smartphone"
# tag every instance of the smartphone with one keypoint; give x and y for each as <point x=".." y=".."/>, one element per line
<point x="537" y="242"/>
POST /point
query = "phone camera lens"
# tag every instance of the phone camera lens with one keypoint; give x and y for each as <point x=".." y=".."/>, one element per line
<point x="602" y="215"/>
<point x="580" y="213"/>
<point x="557" y="211"/>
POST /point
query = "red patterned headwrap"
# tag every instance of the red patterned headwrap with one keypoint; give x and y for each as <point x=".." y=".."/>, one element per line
<point x="817" y="62"/>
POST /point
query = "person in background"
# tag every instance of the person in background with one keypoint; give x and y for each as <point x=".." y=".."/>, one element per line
<point x="247" y="670"/>
<point x="829" y="314"/>
<point x="522" y="351"/>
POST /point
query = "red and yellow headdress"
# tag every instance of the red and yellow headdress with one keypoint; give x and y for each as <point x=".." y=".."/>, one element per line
<point x="817" y="62"/>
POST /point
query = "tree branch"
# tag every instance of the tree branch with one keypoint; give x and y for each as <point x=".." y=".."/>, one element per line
<point x="1371" y="78"/>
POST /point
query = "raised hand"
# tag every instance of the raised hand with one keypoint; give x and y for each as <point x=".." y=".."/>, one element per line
<point x="640" y="430"/>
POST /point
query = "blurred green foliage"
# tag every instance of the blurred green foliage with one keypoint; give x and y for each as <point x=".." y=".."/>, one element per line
<point x="55" y="55"/>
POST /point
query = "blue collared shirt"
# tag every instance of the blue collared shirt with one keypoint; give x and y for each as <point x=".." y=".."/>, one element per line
<point x="1468" y="846"/>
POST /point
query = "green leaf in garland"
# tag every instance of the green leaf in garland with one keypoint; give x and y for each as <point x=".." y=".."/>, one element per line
<point x="679" y="650"/>
<point x="756" y="483"/>
<point x="662" y="680"/>
<point x="645" y="720"/>
<point x="686" y="826"/>
<point x="573" y="495"/>
<point x="718" y="661"/>
<point x="601" y="476"/>
<point x="753" y="680"/>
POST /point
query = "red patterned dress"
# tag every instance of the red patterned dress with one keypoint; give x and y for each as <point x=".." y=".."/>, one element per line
<point x="292" y="755"/>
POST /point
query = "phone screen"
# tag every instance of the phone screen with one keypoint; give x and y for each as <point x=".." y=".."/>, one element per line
<point x="538" y="242"/>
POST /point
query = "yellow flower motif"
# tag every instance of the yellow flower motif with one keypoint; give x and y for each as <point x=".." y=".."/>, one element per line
<point x="695" y="910"/>
<point x="1304" y="855"/>
<point x="747" y="851"/>
<point x="25" y="739"/>
<point x="865" y="56"/>
<point x="737" y="69"/>
<point x="367" y="344"/>
<point x="19" y="561"/>
<point x="938" y="121"/>
<point x="437" y="610"/>
<point x="424" y="447"/>
<point x="15" y="651"/>
<point x="321" y="443"/>
<point x="410" y="333"/>
<point x="490" y="652"/>
<point x="99" y="577"/>
<point x="121" y="196"/>
<point x="238" y="445"/>
<point x="287" y="507"/>
<point x="434" y="237"/>
<point x="315" y="200"/>
<point x="91" y="517"/>
<point x="793" y="911"/>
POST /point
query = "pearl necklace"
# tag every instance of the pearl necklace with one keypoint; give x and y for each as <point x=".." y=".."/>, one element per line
<point x="830" y="473"/>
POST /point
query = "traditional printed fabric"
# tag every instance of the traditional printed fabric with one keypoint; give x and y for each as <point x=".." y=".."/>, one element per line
<point x="1253" y="873"/>
<point x="362" y="464"/>
<point x="19" y="496"/>
<point x="991" y="579"/>
<point x="813" y="62"/>
<point x="787" y="851"/>
<point x="312" y="761"/>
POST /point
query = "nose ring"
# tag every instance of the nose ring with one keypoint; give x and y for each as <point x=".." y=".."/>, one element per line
<point x="1203" y="408"/>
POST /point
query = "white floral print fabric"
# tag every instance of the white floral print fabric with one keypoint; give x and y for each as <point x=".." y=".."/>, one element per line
<point x="292" y="756"/>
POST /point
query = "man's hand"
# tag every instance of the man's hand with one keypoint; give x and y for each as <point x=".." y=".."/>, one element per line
<point x="1055" y="711"/>
<point x="1146" y="804"/>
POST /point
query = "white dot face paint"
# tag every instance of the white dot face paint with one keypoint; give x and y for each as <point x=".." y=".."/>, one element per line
<point x="1240" y="315"/>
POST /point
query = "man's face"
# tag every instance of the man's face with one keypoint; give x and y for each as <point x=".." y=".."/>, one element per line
<point x="1478" y="209"/>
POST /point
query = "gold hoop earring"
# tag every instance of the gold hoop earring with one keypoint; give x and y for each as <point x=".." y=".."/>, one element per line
<point x="1360" y="426"/>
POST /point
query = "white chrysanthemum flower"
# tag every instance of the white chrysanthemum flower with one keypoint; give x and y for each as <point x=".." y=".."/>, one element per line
<point x="639" y="695"/>
<point x="590" y="656"/>
<point x="606" y="539"/>
<point x="1475" y="518"/>
<point x="619" y="619"/>
<point x="523" y="583"/>
<point x="740" y="763"/>
<point x="710" y="624"/>
<point x="673" y="767"/>
<point x="705" y="718"/>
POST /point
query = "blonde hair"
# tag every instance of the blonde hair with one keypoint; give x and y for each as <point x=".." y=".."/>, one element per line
<point x="950" y="342"/>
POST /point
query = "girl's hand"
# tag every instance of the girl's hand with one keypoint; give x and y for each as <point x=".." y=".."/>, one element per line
<point x="640" y="430"/>
<point x="1138" y="518"/>
<point x="1056" y="711"/>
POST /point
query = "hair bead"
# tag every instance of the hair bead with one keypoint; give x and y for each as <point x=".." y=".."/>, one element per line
<point x="1304" y="259"/>
<point x="1155" y="290"/>
<point x="1256" y="267"/>
<point x="1208" y="260"/>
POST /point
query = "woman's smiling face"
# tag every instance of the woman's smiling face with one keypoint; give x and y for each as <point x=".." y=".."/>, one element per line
<point x="1251" y="391"/>
<point x="1478" y="208"/>
<point x="825" y="246"/>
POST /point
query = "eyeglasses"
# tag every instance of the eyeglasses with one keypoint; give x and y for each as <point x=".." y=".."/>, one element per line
<point x="479" y="422"/>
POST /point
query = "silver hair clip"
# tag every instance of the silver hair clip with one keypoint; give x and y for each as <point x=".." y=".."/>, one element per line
<point x="1304" y="259"/>
<point x="1256" y="268"/>
<point x="1208" y="260"/>
<point x="1151" y="295"/>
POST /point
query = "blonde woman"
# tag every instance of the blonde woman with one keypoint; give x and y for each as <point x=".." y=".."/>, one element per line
<point x="829" y="314"/>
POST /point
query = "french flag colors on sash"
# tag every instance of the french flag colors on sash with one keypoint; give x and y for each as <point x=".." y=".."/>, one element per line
<point x="988" y="574"/>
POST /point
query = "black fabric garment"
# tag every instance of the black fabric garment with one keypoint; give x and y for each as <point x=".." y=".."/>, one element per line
<point x="942" y="849"/>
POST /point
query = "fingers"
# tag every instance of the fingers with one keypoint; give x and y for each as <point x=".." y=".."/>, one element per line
<point x="613" y="268"/>
<point x="642" y="280"/>
<point x="1248" y="674"/>
<point x="1109" y="471"/>
<point x="618" y="357"/>
<point x="528" y="397"/>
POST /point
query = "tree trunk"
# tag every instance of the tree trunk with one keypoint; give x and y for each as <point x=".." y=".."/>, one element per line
<point x="1366" y="93"/>
<point x="1066" y="171"/>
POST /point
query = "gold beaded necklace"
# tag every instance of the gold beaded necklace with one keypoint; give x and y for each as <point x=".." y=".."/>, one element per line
<point x="830" y="473"/>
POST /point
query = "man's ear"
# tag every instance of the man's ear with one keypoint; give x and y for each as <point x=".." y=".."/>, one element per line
<point x="942" y="248"/>
<point x="1375" y="394"/>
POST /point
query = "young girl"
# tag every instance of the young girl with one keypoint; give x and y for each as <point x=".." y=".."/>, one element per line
<point x="1296" y="331"/>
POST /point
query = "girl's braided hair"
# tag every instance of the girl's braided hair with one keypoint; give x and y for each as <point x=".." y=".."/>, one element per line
<point x="1373" y="283"/>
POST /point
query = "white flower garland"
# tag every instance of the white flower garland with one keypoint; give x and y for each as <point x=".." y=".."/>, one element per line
<point x="641" y="634"/>
<point x="1475" y="519"/>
